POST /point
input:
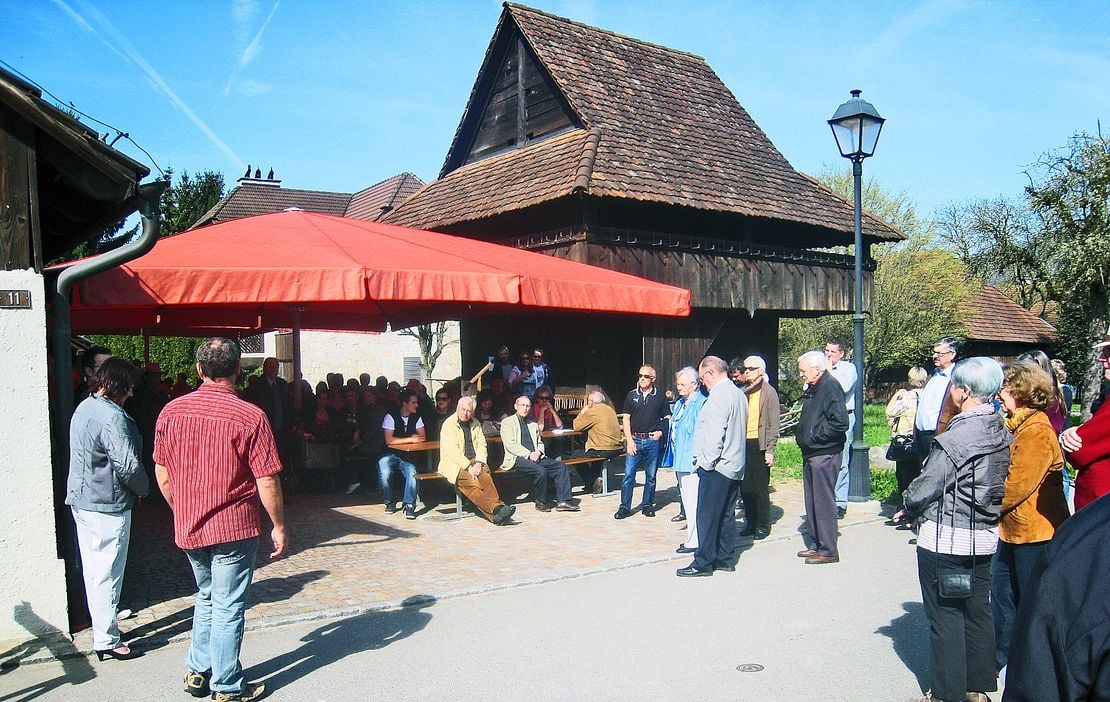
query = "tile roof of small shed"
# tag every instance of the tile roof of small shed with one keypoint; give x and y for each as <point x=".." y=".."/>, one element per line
<point x="379" y="199"/>
<point x="660" y="126"/>
<point x="991" y="316"/>
<point x="249" y="200"/>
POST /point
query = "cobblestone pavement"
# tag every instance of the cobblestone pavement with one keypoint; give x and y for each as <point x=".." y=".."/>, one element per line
<point x="348" y="556"/>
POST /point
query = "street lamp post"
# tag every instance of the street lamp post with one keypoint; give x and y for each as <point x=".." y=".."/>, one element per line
<point x="856" y="126"/>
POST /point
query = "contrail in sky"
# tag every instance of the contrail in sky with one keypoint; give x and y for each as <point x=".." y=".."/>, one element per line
<point x="252" y="49"/>
<point x="120" y="44"/>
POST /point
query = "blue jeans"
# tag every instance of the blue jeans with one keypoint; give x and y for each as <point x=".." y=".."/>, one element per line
<point x="223" y="573"/>
<point x="1011" y="571"/>
<point x="647" y="455"/>
<point x="842" y="476"/>
<point x="386" y="465"/>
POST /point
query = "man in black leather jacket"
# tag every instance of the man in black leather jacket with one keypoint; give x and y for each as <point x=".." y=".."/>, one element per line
<point x="820" y="434"/>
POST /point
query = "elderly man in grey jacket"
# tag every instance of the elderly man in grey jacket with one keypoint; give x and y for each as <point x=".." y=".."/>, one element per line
<point x="719" y="450"/>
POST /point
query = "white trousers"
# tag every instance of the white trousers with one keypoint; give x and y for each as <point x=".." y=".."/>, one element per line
<point x="102" y="538"/>
<point x="688" y="482"/>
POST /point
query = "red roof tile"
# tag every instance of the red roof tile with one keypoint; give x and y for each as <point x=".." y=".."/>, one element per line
<point x="667" y="130"/>
<point x="991" y="316"/>
<point x="379" y="199"/>
<point x="250" y="200"/>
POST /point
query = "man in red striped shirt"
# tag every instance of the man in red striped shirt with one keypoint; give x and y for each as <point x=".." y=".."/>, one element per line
<point x="215" y="460"/>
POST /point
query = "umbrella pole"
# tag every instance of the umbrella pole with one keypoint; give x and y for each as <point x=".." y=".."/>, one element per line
<point x="297" y="361"/>
<point x="146" y="347"/>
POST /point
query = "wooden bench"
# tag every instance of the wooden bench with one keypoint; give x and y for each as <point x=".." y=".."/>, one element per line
<point x="578" y="460"/>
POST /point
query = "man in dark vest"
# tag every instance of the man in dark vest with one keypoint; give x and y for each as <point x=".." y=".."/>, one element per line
<point x="401" y="426"/>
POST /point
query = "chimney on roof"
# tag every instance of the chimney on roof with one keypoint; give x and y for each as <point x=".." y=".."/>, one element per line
<point x="268" y="182"/>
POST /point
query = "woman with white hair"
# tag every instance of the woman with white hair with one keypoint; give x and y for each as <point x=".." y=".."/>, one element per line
<point x="684" y="417"/>
<point x="957" y="502"/>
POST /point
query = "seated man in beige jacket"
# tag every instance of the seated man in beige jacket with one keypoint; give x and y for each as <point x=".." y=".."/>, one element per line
<point x="604" y="438"/>
<point x="462" y="460"/>
<point x="524" y="452"/>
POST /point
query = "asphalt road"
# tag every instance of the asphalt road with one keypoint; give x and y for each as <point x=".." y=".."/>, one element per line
<point x="849" y="631"/>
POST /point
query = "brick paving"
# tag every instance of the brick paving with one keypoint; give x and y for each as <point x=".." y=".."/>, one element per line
<point x="347" y="556"/>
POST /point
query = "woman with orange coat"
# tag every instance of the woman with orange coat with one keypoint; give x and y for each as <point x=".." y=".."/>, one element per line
<point x="1034" y="505"/>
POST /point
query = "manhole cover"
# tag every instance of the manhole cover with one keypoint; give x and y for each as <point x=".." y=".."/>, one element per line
<point x="749" y="667"/>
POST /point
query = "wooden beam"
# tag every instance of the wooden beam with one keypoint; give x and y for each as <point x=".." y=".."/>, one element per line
<point x="16" y="151"/>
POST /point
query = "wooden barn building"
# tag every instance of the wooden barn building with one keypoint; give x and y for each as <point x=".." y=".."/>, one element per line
<point x="597" y="147"/>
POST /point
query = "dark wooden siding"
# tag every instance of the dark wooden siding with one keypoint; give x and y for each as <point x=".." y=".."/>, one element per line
<point x="607" y="350"/>
<point x="16" y="162"/>
<point x="724" y="282"/>
<point x="523" y="106"/>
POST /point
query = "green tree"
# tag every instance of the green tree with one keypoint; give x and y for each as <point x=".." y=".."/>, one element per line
<point x="172" y="353"/>
<point x="997" y="240"/>
<point x="916" y="297"/>
<point x="433" y="340"/>
<point x="1069" y="191"/>
<point x="896" y="209"/>
<point x="1052" y="247"/>
<point x="184" y="203"/>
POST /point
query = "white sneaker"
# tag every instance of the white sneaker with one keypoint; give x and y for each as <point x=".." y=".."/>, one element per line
<point x="352" y="487"/>
<point x="124" y="614"/>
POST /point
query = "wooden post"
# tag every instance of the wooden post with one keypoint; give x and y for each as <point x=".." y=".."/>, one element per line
<point x="17" y="139"/>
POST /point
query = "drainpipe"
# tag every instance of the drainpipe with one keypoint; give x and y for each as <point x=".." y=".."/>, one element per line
<point x="147" y="200"/>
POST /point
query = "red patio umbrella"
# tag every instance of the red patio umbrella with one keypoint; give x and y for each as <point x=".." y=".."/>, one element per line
<point x="318" y="271"/>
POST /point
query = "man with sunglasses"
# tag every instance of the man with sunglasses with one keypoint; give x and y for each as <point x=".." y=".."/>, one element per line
<point x="762" y="433"/>
<point x="541" y="369"/>
<point x="647" y="411"/>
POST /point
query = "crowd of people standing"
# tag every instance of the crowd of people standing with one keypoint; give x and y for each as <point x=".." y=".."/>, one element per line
<point x="983" y="447"/>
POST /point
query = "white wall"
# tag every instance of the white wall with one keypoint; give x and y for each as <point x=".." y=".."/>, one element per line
<point x="31" y="571"/>
<point x="376" y="354"/>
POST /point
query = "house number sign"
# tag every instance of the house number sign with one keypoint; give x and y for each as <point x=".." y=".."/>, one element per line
<point x="15" y="299"/>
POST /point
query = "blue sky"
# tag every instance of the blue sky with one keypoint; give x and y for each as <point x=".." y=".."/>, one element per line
<point x="340" y="95"/>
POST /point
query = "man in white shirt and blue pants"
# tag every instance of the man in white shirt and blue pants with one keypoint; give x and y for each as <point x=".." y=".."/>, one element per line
<point x="930" y="404"/>
<point x="845" y="374"/>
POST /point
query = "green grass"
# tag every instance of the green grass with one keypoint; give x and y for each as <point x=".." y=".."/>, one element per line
<point x="876" y="432"/>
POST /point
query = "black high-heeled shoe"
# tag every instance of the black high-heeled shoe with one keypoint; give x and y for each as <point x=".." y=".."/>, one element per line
<point x="113" y="653"/>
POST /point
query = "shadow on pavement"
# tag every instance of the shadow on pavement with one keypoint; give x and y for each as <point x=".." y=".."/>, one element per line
<point x="909" y="634"/>
<point x="75" y="667"/>
<point x="161" y="631"/>
<point x="158" y="571"/>
<point x="338" y="639"/>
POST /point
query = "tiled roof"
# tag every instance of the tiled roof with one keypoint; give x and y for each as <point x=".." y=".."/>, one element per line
<point x="378" y="200"/>
<point x="250" y="200"/>
<point x="509" y="181"/>
<point x="991" y="316"/>
<point x="665" y="129"/>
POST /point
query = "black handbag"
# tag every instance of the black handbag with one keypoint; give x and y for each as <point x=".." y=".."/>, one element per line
<point x="902" y="448"/>
<point x="954" y="583"/>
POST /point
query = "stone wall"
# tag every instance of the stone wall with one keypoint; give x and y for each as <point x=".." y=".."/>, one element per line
<point x="376" y="354"/>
